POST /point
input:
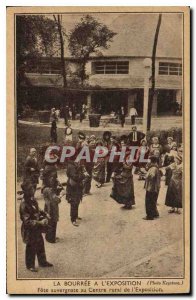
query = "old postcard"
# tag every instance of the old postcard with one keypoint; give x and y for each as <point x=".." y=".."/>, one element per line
<point x="98" y="150"/>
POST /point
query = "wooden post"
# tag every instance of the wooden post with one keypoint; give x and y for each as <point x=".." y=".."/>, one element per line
<point x="147" y="65"/>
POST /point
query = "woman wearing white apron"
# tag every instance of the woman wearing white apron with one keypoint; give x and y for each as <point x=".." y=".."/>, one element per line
<point x="68" y="132"/>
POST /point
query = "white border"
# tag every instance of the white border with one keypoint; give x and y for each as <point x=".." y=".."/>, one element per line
<point x="3" y="4"/>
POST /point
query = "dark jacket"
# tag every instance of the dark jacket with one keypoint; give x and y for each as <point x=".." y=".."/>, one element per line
<point x="153" y="179"/>
<point x="75" y="174"/>
<point x="28" y="174"/>
<point x="51" y="203"/>
<point x="30" y="215"/>
<point x="139" y="137"/>
<point x="49" y="171"/>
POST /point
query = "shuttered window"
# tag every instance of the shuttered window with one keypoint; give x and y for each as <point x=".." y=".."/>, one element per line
<point x="170" y="69"/>
<point x="111" y="67"/>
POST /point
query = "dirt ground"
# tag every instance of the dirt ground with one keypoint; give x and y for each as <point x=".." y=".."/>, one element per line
<point x="110" y="241"/>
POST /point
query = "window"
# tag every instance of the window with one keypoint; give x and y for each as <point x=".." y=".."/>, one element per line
<point x="111" y="67"/>
<point x="170" y="69"/>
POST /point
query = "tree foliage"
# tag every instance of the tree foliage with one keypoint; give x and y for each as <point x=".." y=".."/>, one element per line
<point x="87" y="37"/>
<point x="35" y="36"/>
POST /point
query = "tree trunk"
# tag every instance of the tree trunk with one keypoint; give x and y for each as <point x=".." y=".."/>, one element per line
<point x="63" y="70"/>
<point x="151" y="95"/>
<point x="83" y="72"/>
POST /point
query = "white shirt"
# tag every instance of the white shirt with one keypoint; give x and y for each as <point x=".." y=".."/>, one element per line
<point x="134" y="136"/>
<point x="133" y="111"/>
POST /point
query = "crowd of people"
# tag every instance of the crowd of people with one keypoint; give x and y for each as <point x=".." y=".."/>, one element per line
<point x="160" y="160"/>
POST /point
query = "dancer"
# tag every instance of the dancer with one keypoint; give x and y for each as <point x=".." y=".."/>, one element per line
<point x="152" y="186"/>
<point x="174" y="192"/>
<point x="123" y="187"/>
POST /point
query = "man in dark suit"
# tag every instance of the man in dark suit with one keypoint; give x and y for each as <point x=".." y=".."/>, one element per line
<point x="74" y="191"/>
<point x="122" y="116"/>
<point x="31" y="168"/>
<point x="135" y="137"/>
<point x="34" y="222"/>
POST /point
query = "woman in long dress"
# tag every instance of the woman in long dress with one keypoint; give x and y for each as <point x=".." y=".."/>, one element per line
<point x="156" y="149"/>
<point x="68" y="133"/>
<point x="174" y="192"/>
<point x="98" y="172"/>
<point x="123" y="187"/>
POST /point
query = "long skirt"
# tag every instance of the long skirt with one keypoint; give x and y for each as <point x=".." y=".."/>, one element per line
<point x="151" y="204"/>
<point x="123" y="190"/>
<point x="174" y="195"/>
<point x="99" y="172"/>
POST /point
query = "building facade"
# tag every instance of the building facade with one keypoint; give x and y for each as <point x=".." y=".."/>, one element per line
<point x="112" y="82"/>
<point x="117" y="76"/>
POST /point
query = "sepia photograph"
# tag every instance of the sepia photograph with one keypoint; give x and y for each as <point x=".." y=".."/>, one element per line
<point x="98" y="120"/>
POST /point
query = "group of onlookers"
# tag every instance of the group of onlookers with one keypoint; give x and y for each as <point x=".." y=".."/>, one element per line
<point x="163" y="160"/>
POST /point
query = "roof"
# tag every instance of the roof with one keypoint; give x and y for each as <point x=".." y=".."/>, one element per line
<point x="135" y="34"/>
<point x="104" y="82"/>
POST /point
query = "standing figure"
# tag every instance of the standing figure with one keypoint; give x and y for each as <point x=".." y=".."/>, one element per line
<point x="53" y="116"/>
<point x="53" y="132"/>
<point x="174" y="192"/>
<point x="152" y="186"/>
<point x="122" y="116"/>
<point x="123" y="187"/>
<point x="99" y="169"/>
<point x="168" y="170"/>
<point x="31" y="168"/>
<point x="107" y="142"/>
<point x="49" y="171"/>
<point x="34" y="222"/>
<point x="68" y="133"/>
<point x="134" y="140"/>
<point x="89" y="165"/>
<point x="133" y="114"/>
<point x="135" y="137"/>
<point x="73" y="112"/>
<point x="57" y="112"/>
<point x="65" y="114"/>
<point x="143" y="152"/>
<point x="52" y="201"/>
<point x="74" y="191"/>
<point x="83" y="112"/>
<point x="156" y="149"/>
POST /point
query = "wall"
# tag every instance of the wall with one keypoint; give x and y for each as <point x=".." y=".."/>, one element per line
<point x="135" y="78"/>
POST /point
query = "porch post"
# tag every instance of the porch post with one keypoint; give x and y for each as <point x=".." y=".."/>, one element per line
<point x="89" y="103"/>
<point x="131" y="100"/>
<point x="179" y="96"/>
<point x="154" y="104"/>
<point x="147" y="65"/>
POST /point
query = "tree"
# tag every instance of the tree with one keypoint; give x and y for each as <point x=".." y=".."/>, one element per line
<point x="87" y="37"/>
<point x="35" y="37"/>
<point x="152" y="92"/>
<point x="58" y="21"/>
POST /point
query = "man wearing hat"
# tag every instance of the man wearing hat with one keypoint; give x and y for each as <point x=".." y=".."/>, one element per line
<point x="135" y="137"/>
<point x="108" y="144"/>
<point x="81" y="140"/>
<point x="31" y="168"/>
<point x="34" y="222"/>
<point x="122" y="116"/>
<point x="74" y="191"/>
